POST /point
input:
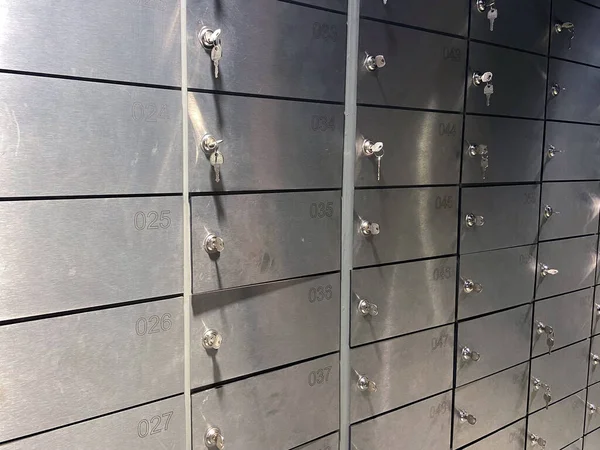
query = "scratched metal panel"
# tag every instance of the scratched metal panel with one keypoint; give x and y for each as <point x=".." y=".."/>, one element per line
<point x="267" y="237"/>
<point x="157" y="426"/>
<point x="509" y="438"/>
<point x="336" y="5"/>
<point x="134" y="40"/>
<point x="419" y="147"/>
<point x="60" y="255"/>
<point x="285" y="144"/>
<point x="66" y="137"/>
<point x="61" y="370"/>
<point x="448" y="16"/>
<point x="326" y="443"/>
<point x="422" y="426"/>
<point x="254" y="335"/>
<point x="270" y="47"/>
<point x="423" y="70"/>
<point x="276" y="410"/>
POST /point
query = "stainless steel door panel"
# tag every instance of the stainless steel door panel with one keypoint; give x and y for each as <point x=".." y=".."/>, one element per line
<point x="570" y="317"/>
<point x="578" y="205"/>
<point x="276" y="410"/>
<point x="327" y="443"/>
<point x="124" y="139"/>
<point x="564" y="370"/>
<point x="60" y="255"/>
<point x="519" y="24"/>
<point x="415" y="223"/>
<point x="409" y="297"/>
<point x="509" y="438"/>
<point x="506" y="278"/>
<point x="592" y="421"/>
<point x="336" y="5"/>
<point x="519" y="81"/>
<point x="501" y="340"/>
<point x="448" y="16"/>
<point x="291" y="51"/>
<point x="420" y="147"/>
<point x="513" y="145"/>
<point x="423" y="70"/>
<point x="422" y="426"/>
<point x="90" y="364"/>
<point x="404" y="369"/>
<point x="494" y="401"/>
<point x="157" y="426"/>
<point x="579" y="147"/>
<point x="573" y="101"/>
<point x="510" y="215"/>
<point x="136" y="41"/>
<point x="581" y="46"/>
<point x="267" y="237"/>
<point x="264" y="326"/>
<point x="577" y="445"/>
<point x="271" y="151"/>
<point x="592" y="440"/>
<point x="594" y="375"/>
<point x="561" y="424"/>
<point x="596" y="313"/>
<point x="575" y="260"/>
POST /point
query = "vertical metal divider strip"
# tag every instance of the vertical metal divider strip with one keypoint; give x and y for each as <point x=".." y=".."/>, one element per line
<point x="187" y="232"/>
<point x="347" y="239"/>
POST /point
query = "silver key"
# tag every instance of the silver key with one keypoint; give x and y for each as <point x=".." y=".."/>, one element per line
<point x="215" y="55"/>
<point x="550" y="342"/>
<point x="484" y="164"/>
<point x="379" y="155"/>
<point x="488" y="90"/>
<point x="216" y="160"/>
<point x="547" y="396"/>
<point x="492" y="15"/>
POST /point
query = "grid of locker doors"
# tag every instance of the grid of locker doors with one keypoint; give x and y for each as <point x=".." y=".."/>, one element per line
<point x="91" y="309"/>
<point x="476" y="218"/>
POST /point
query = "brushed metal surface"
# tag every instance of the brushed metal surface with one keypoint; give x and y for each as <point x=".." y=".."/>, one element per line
<point x="575" y="260"/>
<point x="594" y="370"/>
<point x="502" y="340"/>
<point x="327" y="443"/>
<point x="592" y="440"/>
<point x="564" y="370"/>
<point x="596" y="313"/>
<point x="578" y="205"/>
<point x="519" y="24"/>
<point x="514" y="147"/>
<point x="137" y="40"/>
<point x="409" y="297"/>
<point x="584" y="47"/>
<point x="495" y="402"/>
<point x="276" y="410"/>
<point x="66" y="137"/>
<point x="561" y="424"/>
<point x="264" y="326"/>
<point x="580" y="152"/>
<point x="422" y="426"/>
<point x="291" y="51"/>
<point x="267" y="237"/>
<point x="65" y="369"/>
<point x="423" y="70"/>
<point x="60" y="255"/>
<point x="577" y="445"/>
<point x="592" y="421"/>
<point x="570" y="316"/>
<point x="420" y="147"/>
<point x="519" y="81"/>
<point x="415" y="223"/>
<point x="507" y="277"/>
<point x="448" y="16"/>
<point x="509" y="438"/>
<point x="286" y="145"/>
<point x="574" y="102"/>
<point x="405" y="369"/>
<point x="336" y="5"/>
<point x="157" y="426"/>
<point x="510" y="214"/>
